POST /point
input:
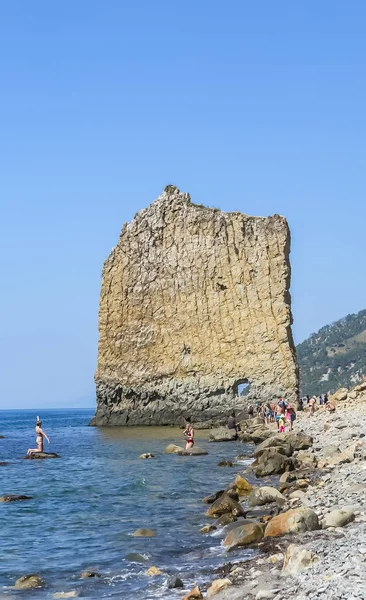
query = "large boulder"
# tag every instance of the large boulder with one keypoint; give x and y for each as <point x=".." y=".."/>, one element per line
<point x="225" y="504"/>
<point x="340" y="395"/>
<point x="296" y="520"/>
<point x="243" y="535"/>
<point x="275" y="441"/>
<point x="338" y="518"/>
<point x="265" y="495"/>
<point x="29" y="582"/>
<point x="299" y="440"/>
<point x="297" y="559"/>
<point x="260" y="434"/>
<point x="222" y="434"/>
<point x="271" y="462"/>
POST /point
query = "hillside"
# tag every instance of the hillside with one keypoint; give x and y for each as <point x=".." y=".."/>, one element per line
<point x="333" y="357"/>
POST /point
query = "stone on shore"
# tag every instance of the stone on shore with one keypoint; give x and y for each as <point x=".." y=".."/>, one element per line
<point x="14" y="498"/>
<point x="265" y="495"/>
<point x="243" y="535"/>
<point x="217" y="586"/>
<point x="222" y="434"/>
<point x="194" y="594"/>
<point x="259" y="435"/>
<point x="144" y="533"/>
<point x="242" y="486"/>
<point x="271" y="462"/>
<point x="296" y="520"/>
<point x="29" y="582"/>
<point x="223" y="505"/>
<point x="338" y="518"/>
<point x="297" y="559"/>
<point x="299" y="440"/>
<point x="41" y="455"/>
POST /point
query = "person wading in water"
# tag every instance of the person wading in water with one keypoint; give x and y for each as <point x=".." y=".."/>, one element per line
<point x="40" y="435"/>
<point x="189" y="434"/>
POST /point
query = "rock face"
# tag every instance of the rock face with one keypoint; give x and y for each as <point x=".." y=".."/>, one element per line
<point x="194" y="301"/>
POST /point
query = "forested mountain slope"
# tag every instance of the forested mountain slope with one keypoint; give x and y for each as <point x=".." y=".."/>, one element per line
<point x="334" y="357"/>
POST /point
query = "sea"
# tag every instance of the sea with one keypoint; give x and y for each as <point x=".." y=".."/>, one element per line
<point x="87" y="504"/>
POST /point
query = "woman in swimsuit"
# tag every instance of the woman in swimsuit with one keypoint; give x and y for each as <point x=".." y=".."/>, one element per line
<point x="40" y="435"/>
<point x="189" y="435"/>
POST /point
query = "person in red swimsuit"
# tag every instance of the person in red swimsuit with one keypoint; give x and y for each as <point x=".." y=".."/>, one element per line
<point x="189" y="434"/>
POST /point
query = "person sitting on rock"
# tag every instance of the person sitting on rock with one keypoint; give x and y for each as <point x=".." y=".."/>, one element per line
<point x="39" y="439"/>
<point x="330" y="406"/>
<point x="189" y="434"/>
<point x="232" y="424"/>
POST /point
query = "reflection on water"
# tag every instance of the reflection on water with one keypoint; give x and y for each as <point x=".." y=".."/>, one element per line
<point x="87" y="504"/>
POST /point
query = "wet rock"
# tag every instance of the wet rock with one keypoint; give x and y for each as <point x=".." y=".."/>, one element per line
<point x="195" y="451"/>
<point x="153" y="572"/>
<point x="242" y="486"/>
<point x="14" y="498"/>
<point x="275" y="441"/>
<point x="225" y="463"/>
<point x="4" y="464"/>
<point x="194" y="594"/>
<point x="173" y="449"/>
<point x="144" y="533"/>
<point x="338" y="518"/>
<point x="271" y="462"/>
<point x="208" y="528"/>
<point x="265" y="495"/>
<point x="146" y="455"/>
<point x="243" y="535"/>
<point x="29" y="582"/>
<point x="173" y="582"/>
<point x="297" y="559"/>
<point x="222" y="434"/>
<point x="244" y="457"/>
<point x="212" y="497"/>
<point x="217" y="586"/>
<point x="89" y="574"/>
<point x="41" y="455"/>
<point x="225" y="519"/>
<point x="71" y="594"/>
<point x="296" y="520"/>
<point x="223" y="505"/>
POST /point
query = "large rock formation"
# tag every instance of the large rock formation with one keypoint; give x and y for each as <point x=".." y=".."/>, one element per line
<point x="194" y="302"/>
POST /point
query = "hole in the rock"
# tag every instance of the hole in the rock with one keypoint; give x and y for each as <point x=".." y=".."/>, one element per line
<point x="243" y="387"/>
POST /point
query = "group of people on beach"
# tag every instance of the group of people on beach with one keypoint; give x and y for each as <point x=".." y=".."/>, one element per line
<point x="278" y="411"/>
<point x="313" y="401"/>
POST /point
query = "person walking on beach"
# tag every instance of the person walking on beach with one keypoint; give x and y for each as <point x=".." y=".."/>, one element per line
<point x="290" y="415"/>
<point x="189" y="434"/>
<point x="39" y="439"/>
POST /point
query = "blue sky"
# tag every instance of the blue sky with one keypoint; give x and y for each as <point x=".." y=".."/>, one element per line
<point x="251" y="106"/>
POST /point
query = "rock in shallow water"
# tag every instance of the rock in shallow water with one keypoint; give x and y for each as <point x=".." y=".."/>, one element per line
<point x="223" y="505"/>
<point x="14" y="498"/>
<point x="41" y="455"/>
<point x="243" y="535"/>
<point x="144" y="533"/>
<point x="173" y="582"/>
<point x="29" y="582"/>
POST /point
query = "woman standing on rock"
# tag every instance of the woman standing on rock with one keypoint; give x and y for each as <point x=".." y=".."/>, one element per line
<point x="40" y="435"/>
<point x="189" y="434"/>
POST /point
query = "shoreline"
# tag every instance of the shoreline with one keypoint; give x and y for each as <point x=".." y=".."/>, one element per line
<point x="335" y="561"/>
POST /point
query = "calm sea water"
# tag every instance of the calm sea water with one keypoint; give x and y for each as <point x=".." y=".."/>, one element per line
<point x="87" y="504"/>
